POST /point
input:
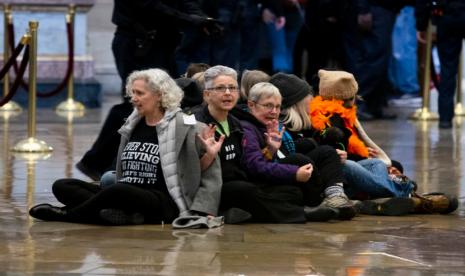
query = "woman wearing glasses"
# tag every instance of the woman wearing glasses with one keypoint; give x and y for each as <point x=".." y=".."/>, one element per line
<point x="318" y="173"/>
<point x="161" y="169"/>
<point x="243" y="200"/>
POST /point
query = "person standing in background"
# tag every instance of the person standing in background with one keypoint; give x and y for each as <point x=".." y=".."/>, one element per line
<point x="146" y="36"/>
<point x="450" y="20"/>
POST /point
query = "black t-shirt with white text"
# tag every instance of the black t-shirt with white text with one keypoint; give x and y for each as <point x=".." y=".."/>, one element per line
<point x="140" y="159"/>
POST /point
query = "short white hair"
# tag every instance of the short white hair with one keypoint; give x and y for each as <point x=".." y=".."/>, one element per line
<point x="158" y="81"/>
<point x="219" y="70"/>
<point x="263" y="89"/>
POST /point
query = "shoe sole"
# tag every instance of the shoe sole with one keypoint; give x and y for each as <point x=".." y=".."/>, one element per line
<point x="119" y="217"/>
<point x="391" y="207"/>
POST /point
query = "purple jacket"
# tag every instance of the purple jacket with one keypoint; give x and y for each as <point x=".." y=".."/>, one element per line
<point x="255" y="163"/>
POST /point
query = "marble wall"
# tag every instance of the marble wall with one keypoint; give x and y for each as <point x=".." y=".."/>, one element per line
<point x="52" y="46"/>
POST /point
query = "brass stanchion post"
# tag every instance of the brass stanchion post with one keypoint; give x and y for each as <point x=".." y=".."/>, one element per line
<point x="423" y="113"/>
<point x="459" y="111"/>
<point x="70" y="105"/>
<point x="10" y="106"/>
<point x="31" y="144"/>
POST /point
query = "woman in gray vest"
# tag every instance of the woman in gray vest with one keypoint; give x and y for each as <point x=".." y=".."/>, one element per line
<point x="158" y="172"/>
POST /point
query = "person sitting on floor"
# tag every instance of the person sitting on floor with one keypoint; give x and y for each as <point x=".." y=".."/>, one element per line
<point x="318" y="173"/>
<point x="241" y="199"/>
<point x="367" y="168"/>
<point x="164" y="169"/>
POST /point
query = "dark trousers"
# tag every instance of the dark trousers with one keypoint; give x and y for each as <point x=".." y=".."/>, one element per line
<point x="195" y="47"/>
<point x="130" y="56"/>
<point x="327" y="171"/>
<point x="237" y="48"/>
<point x="102" y="155"/>
<point x="367" y="57"/>
<point x="450" y="33"/>
<point x="266" y="203"/>
<point x="84" y="201"/>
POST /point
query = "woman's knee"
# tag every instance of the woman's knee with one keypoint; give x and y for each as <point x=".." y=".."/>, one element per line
<point x="62" y="185"/>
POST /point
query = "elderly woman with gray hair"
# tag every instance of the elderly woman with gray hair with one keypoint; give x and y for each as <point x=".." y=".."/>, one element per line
<point x="160" y="173"/>
<point x="318" y="173"/>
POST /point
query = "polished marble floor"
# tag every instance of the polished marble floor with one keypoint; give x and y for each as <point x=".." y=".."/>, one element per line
<point x="367" y="245"/>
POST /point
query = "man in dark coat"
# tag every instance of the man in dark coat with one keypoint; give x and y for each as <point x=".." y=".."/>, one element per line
<point x="449" y="16"/>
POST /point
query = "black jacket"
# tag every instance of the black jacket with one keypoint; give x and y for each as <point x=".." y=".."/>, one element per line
<point x="363" y="6"/>
<point x="231" y="150"/>
<point x="424" y="10"/>
<point x="160" y="15"/>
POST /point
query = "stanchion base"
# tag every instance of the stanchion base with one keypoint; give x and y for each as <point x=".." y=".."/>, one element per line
<point x="423" y="114"/>
<point x="31" y="145"/>
<point x="11" y="107"/>
<point x="71" y="105"/>
<point x="32" y="156"/>
<point x="459" y="111"/>
<point x="70" y="115"/>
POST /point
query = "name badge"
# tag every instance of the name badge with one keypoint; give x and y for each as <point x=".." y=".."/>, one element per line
<point x="189" y="119"/>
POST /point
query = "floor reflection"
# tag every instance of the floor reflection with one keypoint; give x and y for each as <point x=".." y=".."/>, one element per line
<point x="410" y="245"/>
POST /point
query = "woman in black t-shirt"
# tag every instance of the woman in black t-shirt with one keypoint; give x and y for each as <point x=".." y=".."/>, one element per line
<point x="158" y="172"/>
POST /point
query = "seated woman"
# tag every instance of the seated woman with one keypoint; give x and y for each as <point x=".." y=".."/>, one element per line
<point x="318" y="173"/>
<point x="241" y="199"/>
<point x="369" y="171"/>
<point x="158" y="170"/>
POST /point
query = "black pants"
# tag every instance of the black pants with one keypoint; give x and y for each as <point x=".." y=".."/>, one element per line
<point x="367" y="56"/>
<point x="84" y="201"/>
<point x="102" y="155"/>
<point x="137" y="52"/>
<point x="327" y="171"/>
<point x="450" y="33"/>
<point x="266" y="203"/>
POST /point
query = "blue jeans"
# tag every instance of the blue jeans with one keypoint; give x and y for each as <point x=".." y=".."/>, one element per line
<point x="370" y="177"/>
<point x="403" y="61"/>
<point x="282" y="46"/>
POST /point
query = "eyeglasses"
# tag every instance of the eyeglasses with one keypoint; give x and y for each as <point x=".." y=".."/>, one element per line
<point x="223" y="89"/>
<point x="269" y="106"/>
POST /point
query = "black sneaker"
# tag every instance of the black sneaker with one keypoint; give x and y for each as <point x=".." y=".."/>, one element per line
<point x="119" y="217"/>
<point x="320" y="213"/>
<point x="49" y="212"/>
<point x="392" y="206"/>
<point x="236" y="215"/>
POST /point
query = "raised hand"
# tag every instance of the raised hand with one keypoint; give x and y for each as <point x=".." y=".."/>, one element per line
<point x="304" y="173"/>
<point x="207" y="137"/>
<point x="273" y="136"/>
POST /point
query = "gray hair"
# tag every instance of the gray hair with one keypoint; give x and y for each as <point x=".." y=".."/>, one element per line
<point x="263" y="89"/>
<point x="158" y="81"/>
<point x="216" y="71"/>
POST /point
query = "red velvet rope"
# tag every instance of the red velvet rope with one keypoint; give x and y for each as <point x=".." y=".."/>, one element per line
<point x="62" y="84"/>
<point x="16" y="51"/>
<point x="19" y="77"/>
